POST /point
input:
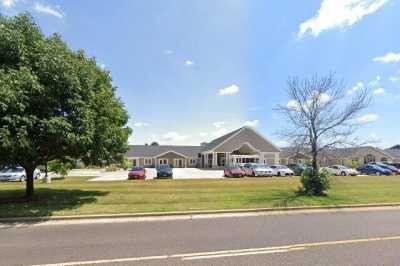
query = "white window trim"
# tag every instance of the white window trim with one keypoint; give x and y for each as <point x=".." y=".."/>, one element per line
<point x="148" y="158"/>
<point x="163" y="159"/>
<point x="177" y="160"/>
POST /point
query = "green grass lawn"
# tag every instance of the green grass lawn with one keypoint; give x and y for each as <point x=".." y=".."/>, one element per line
<point x="75" y="195"/>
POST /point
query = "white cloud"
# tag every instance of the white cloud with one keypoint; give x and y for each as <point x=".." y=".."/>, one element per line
<point x="375" y="82"/>
<point x="219" y="132"/>
<point x="219" y="124"/>
<point x="356" y="88"/>
<point x="203" y="134"/>
<point x="230" y="90"/>
<point x="379" y="92"/>
<point x="396" y="77"/>
<point x="251" y="123"/>
<point x="141" y="124"/>
<point x="173" y="136"/>
<point x="48" y="10"/>
<point x="339" y="14"/>
<point x="8" y="3"/>
<point x="293" y="104"/>
<point x="189" y="63"/>
<point x="368" y="118"/>
<point x="323" y="97"/>
<point x="388" y="58"/>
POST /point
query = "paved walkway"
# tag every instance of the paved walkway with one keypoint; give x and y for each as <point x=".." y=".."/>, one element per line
<point x="179" y="173"/>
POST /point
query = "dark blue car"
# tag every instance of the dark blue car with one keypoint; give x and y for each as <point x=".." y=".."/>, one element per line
<point x="371" y="169"/>
<point x="164" y="171"/>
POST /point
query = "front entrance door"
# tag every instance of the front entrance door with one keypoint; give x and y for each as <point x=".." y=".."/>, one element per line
<point x="178" y="163"/>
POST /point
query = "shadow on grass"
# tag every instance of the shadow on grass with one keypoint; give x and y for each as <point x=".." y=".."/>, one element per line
<point x="46" y="201"/>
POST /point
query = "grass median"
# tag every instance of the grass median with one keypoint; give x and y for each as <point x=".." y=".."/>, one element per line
<point x="77" y="196"/>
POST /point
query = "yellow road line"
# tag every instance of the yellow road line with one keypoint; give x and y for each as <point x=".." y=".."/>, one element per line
<point x="230" y="253"/>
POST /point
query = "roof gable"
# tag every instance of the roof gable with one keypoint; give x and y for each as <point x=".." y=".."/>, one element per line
<point x="235" y="139"/>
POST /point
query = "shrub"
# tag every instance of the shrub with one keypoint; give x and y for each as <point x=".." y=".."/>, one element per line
<point x="112" y="168"/>
<point x="352" y="164"/>
<point x="125" y="163"/>
<point x="314" y="184"/>
<point x="60" y="167"/>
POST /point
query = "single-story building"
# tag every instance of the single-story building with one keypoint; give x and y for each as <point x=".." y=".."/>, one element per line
<point x="244" y="145"/>
<point x="360" y="155"/>
<point x="394" y="152"/>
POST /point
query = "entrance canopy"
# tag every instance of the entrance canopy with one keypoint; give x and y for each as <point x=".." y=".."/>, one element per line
<point x="246" y="149"/>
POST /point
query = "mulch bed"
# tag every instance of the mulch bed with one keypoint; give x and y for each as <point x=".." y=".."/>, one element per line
<point x="21" y="200"/>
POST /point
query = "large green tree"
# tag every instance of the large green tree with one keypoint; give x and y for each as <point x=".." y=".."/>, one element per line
<point x="54" y="102"/>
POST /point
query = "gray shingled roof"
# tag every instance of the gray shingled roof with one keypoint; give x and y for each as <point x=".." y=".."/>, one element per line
<point x="395" y="153"/>
<point x="211" y="145"/>
<point x="338" y="153"/>
<point x="153" y="151"/>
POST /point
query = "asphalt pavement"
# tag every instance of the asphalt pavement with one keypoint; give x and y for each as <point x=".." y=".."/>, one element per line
<point x="328" y="238"/>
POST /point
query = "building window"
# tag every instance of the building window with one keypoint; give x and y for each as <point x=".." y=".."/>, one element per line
<point x="163" y="161"/>
<point x="192" y="161"/>
<point x="369" y="159"/>
<point x="384" y="159"/>
<point x="148" y="161"/>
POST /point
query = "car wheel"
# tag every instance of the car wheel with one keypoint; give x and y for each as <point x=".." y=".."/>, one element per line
<point x="343" y="173"/>
<point x="22" y="179"/>
<point x="279" y="174"/>
<point x="37" y="176"/>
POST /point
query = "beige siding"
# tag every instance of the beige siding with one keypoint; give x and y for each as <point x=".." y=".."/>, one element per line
<point x="247" y="136"/>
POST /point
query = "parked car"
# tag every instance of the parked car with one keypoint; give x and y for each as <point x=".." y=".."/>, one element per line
<point x="234" y="171"/>
<point x="164" y="171"/>
<point x="341" y="170"/>
<point x="257" y="169"/>
<point x="137" y="173"/>
<point x="298" y="168"/>
<point x="371" y="169"/>
<point x="397" y="165"/>
<point x="282" y="170"/>
<point x="389" y="167"/>
<point x="16" y="174"/>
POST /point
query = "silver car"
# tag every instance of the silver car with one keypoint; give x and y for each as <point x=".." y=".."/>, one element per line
<point x="16" y="174"/>
<point x="257" y="169"/>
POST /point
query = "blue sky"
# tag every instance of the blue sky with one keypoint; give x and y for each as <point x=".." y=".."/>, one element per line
<point x="191" y="70"/>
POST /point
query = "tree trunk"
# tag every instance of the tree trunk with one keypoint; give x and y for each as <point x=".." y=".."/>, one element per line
<point x="314" y="159"/>
<point x="29" y="182"/>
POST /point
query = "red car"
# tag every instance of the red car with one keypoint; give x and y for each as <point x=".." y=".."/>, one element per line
<point x="234" y="171"/>
<point x="137" y="173"/>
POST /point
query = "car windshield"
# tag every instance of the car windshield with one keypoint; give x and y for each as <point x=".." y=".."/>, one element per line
<point x="5" y="170"/>
<point x="164" y="166"/>
<point x="137" y="169"/>
<point x="17" y="170"/>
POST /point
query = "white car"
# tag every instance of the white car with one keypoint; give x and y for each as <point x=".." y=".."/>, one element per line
<point x="16" y="174"/>
<point x="341" y="170"/>
<point x="282" y="170"/>
<point x="257" y="169"/>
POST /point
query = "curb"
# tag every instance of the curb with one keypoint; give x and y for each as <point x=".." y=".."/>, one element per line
<point x="193" y="213"/>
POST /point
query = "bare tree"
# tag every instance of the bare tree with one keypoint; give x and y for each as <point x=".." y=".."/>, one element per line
<point x="321" y="114"/>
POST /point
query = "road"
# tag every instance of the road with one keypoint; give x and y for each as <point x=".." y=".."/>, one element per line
<point x="327" y="238"/>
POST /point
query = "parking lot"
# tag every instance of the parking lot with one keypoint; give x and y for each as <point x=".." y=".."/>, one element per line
<point x="178" y="173"/>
